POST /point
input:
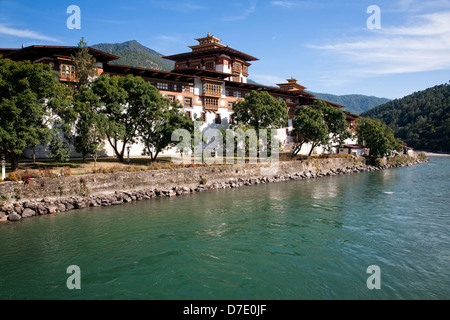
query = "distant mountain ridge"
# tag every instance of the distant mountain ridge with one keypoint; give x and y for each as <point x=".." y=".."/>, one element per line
<point x="354" y="103"/>
<point x="134" y="54"/>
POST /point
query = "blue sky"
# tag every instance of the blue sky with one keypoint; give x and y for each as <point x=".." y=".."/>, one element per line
<point x="326" y="45"/>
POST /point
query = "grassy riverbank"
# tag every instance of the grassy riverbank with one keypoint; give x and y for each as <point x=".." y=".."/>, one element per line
<point x="48" y="168"/>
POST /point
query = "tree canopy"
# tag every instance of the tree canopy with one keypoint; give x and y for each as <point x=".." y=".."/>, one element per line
<point x="158" y="124"/>
<point x="31" y="96"/>
<point x="87" y="131"/>
<point x="377" y="136"/>
<point x="85" y="65"/>
<point x="260" y="110"/>
<point x="124" y="100"/>
<point x="335" y="120"/>
<point x="309" y="127"/>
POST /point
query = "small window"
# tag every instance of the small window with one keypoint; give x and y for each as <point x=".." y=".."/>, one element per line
<point x="188" y="113"/>
<point x="204" y="116"/>
<point x="187" y="102"/>
<point x="162" y="86"/>
<point x="210" y="65"/>
<point x="218" y="118"/>
<point x="171" y="98"/>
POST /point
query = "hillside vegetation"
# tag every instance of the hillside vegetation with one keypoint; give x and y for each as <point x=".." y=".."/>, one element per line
<point x="354" y="103"/>
<point x="133" y="54"/>
<point x="421" y="119"/>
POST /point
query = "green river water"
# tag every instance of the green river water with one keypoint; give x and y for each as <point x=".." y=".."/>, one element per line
<point x="310" y="239"/>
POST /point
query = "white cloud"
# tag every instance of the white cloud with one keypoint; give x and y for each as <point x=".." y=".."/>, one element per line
<point x="284" y="4"/>
<point x="29" y="34"/>
<point x="420" y="5"/>
<point x="424" y="46"/>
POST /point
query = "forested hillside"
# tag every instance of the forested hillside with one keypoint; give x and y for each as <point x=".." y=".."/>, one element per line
<point x="421" y="119"/>
<point x="133" y="54"/>
<point x="355" y="103"/>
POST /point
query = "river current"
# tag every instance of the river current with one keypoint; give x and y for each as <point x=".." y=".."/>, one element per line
<point x="309" y="239"/>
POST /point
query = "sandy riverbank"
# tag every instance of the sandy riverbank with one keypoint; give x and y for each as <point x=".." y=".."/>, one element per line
<point x="433" y="154"/>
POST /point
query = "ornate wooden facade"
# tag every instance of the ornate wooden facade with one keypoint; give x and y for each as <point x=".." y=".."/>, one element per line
<point x="206" y="81"/>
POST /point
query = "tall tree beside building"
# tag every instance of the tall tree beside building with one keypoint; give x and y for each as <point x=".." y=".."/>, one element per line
<point x="31" y="96"/>
<point x="159" y="122"/>
<point x="309" y="127"/>
<point x="86" y="133"/>
<point x="85" y="65"/>
<point x="260" y="110"/>
<point x="130" y="105"/>
<point x="89" y="132"/>
<point x="336" y="123"/>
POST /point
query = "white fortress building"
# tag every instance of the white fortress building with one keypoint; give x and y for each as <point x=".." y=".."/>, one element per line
<point x="206" y="81"/>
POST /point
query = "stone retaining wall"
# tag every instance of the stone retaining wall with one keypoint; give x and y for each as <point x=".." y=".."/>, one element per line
<point x="52" y="195"/>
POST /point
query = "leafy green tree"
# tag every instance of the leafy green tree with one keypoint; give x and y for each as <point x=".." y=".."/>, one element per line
<point x="59" y="150"/>
<point x="158" y="123"/>
<point x="125" y="101"/>
<point x="243" y="140"/>
<point x="335" y="120"/>
<point x="309" y="127"/>
<point x="85" y="65"/>
<point x="260" y="110"/>
<point x="31" y="97"/>
<point x="377" y="136"/>
<point x="83" y="124"/>
<point x="88" y="134"/>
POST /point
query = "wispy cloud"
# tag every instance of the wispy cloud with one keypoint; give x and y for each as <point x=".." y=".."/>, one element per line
<point x="284" y="4"/>
<point x="24" y="33"/>
<point x="416" y="6"/>
<point x="423" y="46"/>
<point x="244" y="14"/>
<point x="291" y="4"/>
<point x="179" y="6"/>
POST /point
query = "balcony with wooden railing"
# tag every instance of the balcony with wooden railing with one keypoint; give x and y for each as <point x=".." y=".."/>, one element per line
<point x="212" y="90"/>
<point x="211" y="104"/>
